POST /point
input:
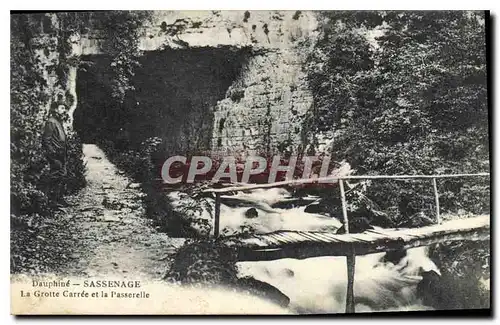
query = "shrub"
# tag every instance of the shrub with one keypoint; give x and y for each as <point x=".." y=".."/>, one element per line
<point x="30" y="94"/>
<point x="203" y="262"/>
<point x="392" y="113"/>
<point x="210" y="263"/>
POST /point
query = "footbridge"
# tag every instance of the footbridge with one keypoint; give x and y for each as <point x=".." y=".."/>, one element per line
<point x="301" y="244"/>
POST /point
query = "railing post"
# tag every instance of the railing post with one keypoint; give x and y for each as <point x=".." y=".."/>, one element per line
<point x="349" y="301"/>
<point x="436" y="198"/>
<point x="344" y="206"/>
<point x="350" y="256"/>
<point x="217" y="215"/>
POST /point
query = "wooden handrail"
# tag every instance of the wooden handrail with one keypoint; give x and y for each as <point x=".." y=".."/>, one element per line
<point x="325" y="180"/>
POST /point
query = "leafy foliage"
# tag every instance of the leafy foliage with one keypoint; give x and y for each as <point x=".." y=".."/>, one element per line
<point x="203" y="262"/>
<point x="122" y="44"/>
<point x="405" y="93"/>
<point x="42" y="43"/>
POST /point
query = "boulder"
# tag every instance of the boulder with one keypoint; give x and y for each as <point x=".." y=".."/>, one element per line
<point x="429" y="289"/>
<point x="315" y="208"/>
<point x="394" y="256"/>
<point x="356" y="225"/>
<point x="263" y="290"/>
<point x="251" y="213"/>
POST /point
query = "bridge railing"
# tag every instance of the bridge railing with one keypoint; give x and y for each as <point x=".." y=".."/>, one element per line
<point x="332" y="179"/>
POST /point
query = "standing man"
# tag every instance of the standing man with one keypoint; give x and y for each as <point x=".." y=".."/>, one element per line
<point x="54" y="144"/>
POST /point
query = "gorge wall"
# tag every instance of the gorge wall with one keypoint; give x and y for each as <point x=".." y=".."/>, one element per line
<point x="263" y="107"/>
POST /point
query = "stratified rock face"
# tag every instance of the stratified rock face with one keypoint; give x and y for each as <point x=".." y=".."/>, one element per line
<point x="263" y="109"/>
<point x="184" y="29"/>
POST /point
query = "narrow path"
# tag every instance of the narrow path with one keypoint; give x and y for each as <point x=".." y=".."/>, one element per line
<point x="112" y="237"/>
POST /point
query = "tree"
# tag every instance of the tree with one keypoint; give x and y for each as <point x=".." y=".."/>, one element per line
<point x="410" y="101"/>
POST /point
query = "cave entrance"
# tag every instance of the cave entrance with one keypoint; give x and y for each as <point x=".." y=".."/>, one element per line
<point x="174" y="94"/>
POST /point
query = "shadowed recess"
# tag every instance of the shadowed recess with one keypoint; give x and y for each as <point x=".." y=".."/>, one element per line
<point x="175" y="93"/>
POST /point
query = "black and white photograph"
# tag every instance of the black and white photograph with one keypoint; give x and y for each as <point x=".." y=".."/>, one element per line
<point x="250" y="162"/>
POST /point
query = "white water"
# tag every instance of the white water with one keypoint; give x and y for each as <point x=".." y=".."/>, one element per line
<point x="269" y="219"/>
<point x="318" y="285"/>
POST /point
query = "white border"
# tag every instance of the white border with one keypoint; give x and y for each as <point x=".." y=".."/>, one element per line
<point x="192" y="5"/>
